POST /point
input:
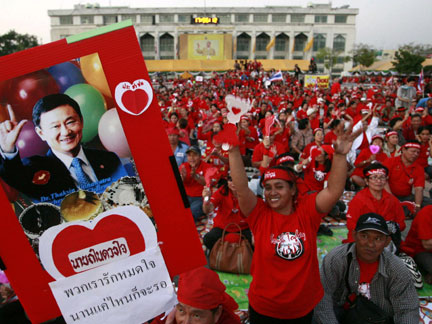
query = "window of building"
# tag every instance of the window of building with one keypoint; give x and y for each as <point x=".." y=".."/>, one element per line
<point x="279" y="57"/>
<point x="242" y="18"/>
<point x="166" y="43"/>
<point x="321" y="19"/>
<point x="297" y="18"/>
<point x="224" y="19"/>
<point x="66" y="20"/>
<point x="300" y="42"/>
<point x="64" y="36"/>
<point x="339" y="43"/>
<point x="281" y="43"/>
<point x="184" y="18"/>
<point x="261" y="57"/>
<point x="112" y="19"/>
<point x="167" y="57"/>
<point x="131" y="17"/>
<point x="243" y="43"/>
<point x="147" y="43"/>
<point x="341" y="19"/>
<point x="166" y="18"/>
<point x="87" y="20"/>
<point x="278" y="18"/>
<point x="318" y="42"/>
<point x="147" y="19"/>
<point x="340" y="60"/>
<point x="297" y="57"/>
<point x="261" y="42"/>
<point x="260" y="18"/>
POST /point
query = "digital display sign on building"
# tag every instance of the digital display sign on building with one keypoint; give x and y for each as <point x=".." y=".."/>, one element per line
<point x="205" y="20"/>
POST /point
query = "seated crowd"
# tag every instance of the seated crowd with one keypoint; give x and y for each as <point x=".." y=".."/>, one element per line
<point x="308" y="146"/>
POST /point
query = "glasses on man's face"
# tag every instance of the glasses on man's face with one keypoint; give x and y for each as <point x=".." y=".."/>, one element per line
<point x="378" y="178"/>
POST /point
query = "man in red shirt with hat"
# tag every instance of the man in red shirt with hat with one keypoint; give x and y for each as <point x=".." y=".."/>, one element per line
<point x="203" y="300"/>
<point x="405" y="175"/>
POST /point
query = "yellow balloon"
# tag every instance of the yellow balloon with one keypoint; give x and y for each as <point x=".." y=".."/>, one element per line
<point x="92" y="70"/>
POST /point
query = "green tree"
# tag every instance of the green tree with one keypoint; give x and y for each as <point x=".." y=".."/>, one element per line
<point x="330" y="58"/>
<point x="13" y="42"/>
<point x="407" y="62"/>
<point x="363" y="54"/>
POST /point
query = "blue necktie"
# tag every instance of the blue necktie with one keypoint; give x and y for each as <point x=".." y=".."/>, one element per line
<point x="83" y="179"/>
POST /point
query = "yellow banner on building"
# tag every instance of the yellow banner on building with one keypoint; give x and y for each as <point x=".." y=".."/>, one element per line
<point x="205" y="47"/>
<point x="322" y="81"/>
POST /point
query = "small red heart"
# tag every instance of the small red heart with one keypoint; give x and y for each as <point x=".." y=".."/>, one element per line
<point x="235" y="110"/>
<point x="135" y="101"/>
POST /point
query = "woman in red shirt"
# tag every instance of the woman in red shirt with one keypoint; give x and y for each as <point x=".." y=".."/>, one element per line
<point x="286" y="282"/>
<point x="225" y="205"/>
<point x="318" y="141"/>
<point x="365" y="158"/>
<point x="425" y="139"/>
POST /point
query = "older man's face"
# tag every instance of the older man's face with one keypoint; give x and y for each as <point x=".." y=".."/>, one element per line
<point x="186" y="314"/>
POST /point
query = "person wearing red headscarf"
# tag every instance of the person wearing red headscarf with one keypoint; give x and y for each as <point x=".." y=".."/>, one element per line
<point x="286" y="282"/>
<point x="202" y="299"/>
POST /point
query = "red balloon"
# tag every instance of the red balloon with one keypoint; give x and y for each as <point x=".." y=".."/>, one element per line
<point x="24" y="91"/>
<point x="10" y="192"/>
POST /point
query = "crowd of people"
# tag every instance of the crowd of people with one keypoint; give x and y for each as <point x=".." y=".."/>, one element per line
<point x="371" y="135"/>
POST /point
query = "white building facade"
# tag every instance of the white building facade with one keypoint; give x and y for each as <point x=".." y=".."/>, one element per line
<point x="294" y="32"/>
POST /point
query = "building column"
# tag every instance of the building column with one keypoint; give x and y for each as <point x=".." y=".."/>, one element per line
<point x="272" y="50"/>
<point x="156" y="44"/>
<point x="291" y="45"/>
<point x="253" y="39"/>
<point x="234" y="49"/>
<point x="176" y="48"/>
<point x="308" y="55"/>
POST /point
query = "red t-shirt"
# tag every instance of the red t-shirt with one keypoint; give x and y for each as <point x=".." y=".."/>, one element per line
<point x="421" y="229"/>
<point x="227" y="211"/>
<point x="301" y="114"/>
<point x="286" y="280"/>
<point x="314" y="177"/>
<point x="367" y="270"/>
<point x="363" y="202"/>
<point x="259" y="150"/>
<point x="308" y="149"/>
<point x="363" y="156"/>
<point x="330" y="137"/>
<point x="402" y="178"/>
<point x="192" y="187"/>
<point x="422" y="159"/>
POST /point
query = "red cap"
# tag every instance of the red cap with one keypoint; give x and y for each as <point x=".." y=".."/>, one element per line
<point x="201" y="288"/>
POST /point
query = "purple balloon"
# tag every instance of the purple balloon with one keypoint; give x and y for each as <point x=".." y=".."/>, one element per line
<point x="66" y="75"/>
<point x="29" y="143"/>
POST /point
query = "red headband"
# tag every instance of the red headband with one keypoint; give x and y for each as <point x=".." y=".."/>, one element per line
<point x="277" y="174"/>
<point x="391" y="133"/>
<point x="411" y="145"/>
<point x="376" y="171"/>
<point x="283" y="159"/>
<point x="317" y="129"/>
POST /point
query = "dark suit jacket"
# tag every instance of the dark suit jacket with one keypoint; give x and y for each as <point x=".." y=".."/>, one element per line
<point x="30" y="175"/>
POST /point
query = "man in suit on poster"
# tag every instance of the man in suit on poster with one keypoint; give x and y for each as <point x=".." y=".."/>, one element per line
<point x="67" y="166"/>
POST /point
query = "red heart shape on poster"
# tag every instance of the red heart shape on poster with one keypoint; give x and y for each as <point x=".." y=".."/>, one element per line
<point x="135" y="101"/>
<point x="71" y="248"/>
<point x="235" y="110"/>
<point x="134" y="98"/>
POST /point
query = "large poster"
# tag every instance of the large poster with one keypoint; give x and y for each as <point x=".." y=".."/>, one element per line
<point x="319" y="81"/>
<point x="78" y="123"/>
<point x="206" y="47"/>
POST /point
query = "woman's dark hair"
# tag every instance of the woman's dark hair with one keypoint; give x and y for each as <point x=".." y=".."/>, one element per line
<point x="223" y="183"/>
<point x="327" y="163"/>
<point x="335" y="123"/>
<point x="302" y="123"/>
<point x="394" y="121"/>
<point x="183" y="123"/>
<point x="285" y="168"/>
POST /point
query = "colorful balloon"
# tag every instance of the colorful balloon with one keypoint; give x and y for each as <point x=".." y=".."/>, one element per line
<point x="92" y="105"/>
<point x="24" y="91"/>
<point x="111" y="134"/>
<point x="66" y="74"/>
<point x="29" y="143"/>
<point x="93" y="72"/>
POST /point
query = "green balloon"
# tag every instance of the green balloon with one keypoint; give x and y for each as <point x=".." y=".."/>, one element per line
<point x="92" y="105"/>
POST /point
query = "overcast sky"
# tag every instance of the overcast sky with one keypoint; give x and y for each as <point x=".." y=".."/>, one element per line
<point x="385" y="24"/>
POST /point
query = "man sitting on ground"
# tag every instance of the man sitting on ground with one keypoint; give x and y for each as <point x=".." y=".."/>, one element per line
<point x="374" y="273"/>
